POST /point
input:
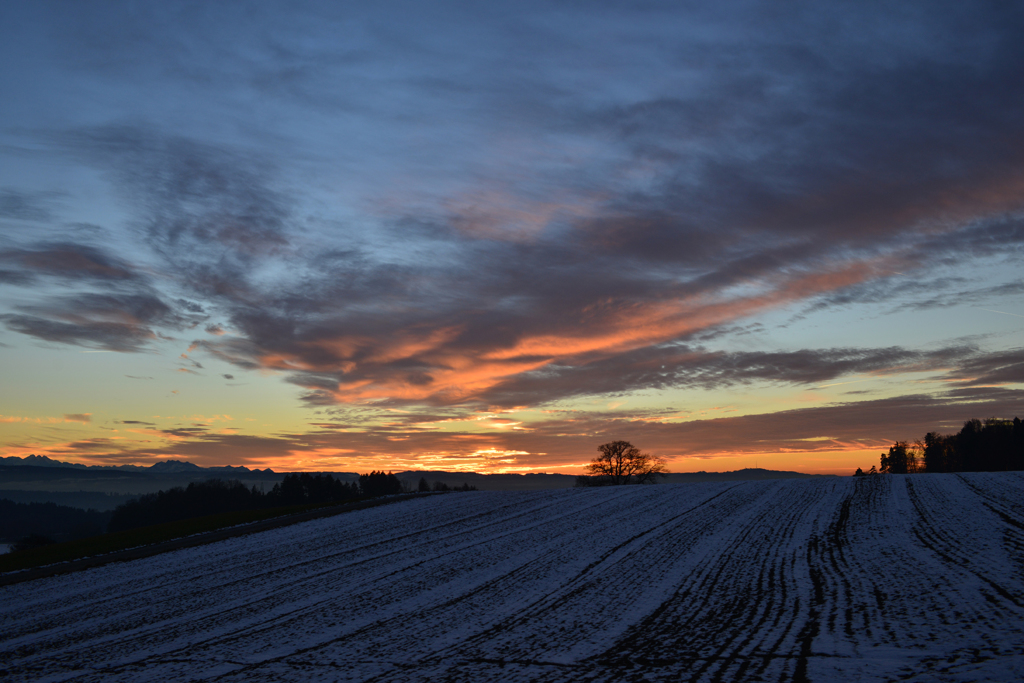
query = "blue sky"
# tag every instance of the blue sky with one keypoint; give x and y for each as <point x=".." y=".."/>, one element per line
<point x="452" y="236"/>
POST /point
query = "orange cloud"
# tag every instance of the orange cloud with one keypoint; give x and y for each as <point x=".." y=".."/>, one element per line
<point x="611" y="329"/>
<point x="70" y="417"/>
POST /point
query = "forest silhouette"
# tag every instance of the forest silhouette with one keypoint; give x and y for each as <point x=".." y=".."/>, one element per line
<point x="216" y="496"/>
<point x="994" y="445"/>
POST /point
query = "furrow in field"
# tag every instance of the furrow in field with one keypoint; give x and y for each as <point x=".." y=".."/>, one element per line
<point x="322" y="598"/>
<point x="391" y="635"/>
<point x="972" y="544"/>
<point x="924" y="600"/>
<point x="721" y="623"/>
<point x="480" y="606"/>
<point x="233" y="604"/>
<point x="1003" y="494"/>
<point x="458" y="576"/>
<point x="453" y="654"/>
<point x="223" y="569"/>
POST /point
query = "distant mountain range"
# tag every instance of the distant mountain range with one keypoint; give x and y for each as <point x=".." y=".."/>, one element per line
<point x="165" y="467"/>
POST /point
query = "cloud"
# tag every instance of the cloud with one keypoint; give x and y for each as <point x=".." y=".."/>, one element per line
<point x="569" y="345"/>
<point x="104" y="335"/>
<point x="11" y="277"/>
<point x="26" y="206"/>
<point x="85" y="447"/>
<point x="78" y="417"/>
<point x="193" y="198"/>
<point x="133" y="308"/>
<point x="936" y="160"/>
<point x="68" y="261"/>
<point x="202" y="448"/>
<point x="992" y="369"/>
<point x="185" y="432"/>
<point x="191" y="362"/>
<point x="594" y="244"/>
<point x="680" y="366"/>
<point x="113" y="322"/>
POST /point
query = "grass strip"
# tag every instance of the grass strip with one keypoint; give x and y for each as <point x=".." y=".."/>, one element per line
<point x="133" y="538"/>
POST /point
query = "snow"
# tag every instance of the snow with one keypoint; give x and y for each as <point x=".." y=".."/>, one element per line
<point x="848" y="579"/>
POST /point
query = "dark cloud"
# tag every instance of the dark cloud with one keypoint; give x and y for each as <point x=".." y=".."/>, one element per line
<point x="69" y="261"/>
<point x="135" y="422"/>
<point x="208" y="210"/>
<point x="964" y="296"/>
<point x="110" y="336"/>
<point x="191" y="306"/>
<point x="115" y="322"/>
<point x="143" y="308"/>
<point x="681" y="366"/>
<point x="78" y="417"/>
<point x="227" y="376"/>
<point x="185" y="432"/>
<point x="26" y="206"/>
<point x="210" y="450"/>
<point x="237" y="351"/>
<point x="87" y="446"/>
<point x="11" y="277"/>
<point x="993" y="369"/>
<point x="792" y="149"/>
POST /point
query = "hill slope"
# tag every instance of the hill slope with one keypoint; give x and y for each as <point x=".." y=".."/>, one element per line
<point x="867" y="579"/>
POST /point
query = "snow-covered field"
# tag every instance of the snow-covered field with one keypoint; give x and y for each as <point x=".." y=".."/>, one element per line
<point x="878" y="578"/>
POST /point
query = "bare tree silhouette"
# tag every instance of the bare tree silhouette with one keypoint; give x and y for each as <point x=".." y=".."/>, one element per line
<point x="621" y="463"/>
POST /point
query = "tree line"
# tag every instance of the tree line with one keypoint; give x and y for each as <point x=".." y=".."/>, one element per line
<point x="439" y="487"/>
<point x="35" y="524"/>
<point x="216" y="496"/>
<point x="30" y="522"/>
<point x="994" y="445"/>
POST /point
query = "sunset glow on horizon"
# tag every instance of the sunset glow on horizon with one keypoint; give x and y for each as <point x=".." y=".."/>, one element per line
<point x="317" y="237"/>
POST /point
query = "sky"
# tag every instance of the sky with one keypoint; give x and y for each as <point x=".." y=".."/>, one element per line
<point x="493" y="236"/>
